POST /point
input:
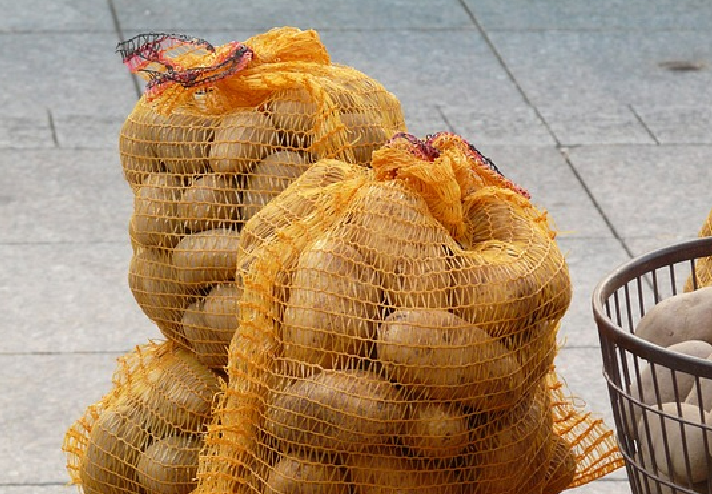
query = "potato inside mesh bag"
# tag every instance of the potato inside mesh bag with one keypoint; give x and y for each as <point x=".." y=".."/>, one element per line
<point x="145" y="434"/>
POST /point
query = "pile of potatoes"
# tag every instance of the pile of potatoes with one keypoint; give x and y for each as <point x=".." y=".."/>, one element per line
<point x="683" y="324"/>
<point x="407" y="363"/>
<point x="148" y="433"/>
<point x="197" y="178"/>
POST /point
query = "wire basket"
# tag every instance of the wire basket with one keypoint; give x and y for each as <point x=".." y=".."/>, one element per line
<point x="619" y="302"/>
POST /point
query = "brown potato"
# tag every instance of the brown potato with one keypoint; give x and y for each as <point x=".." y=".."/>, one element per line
<point x="154" y="284"/>
<point x="242" y="138"/>
<point x="115" y="443"/>
<point x="329" y="318"/>
<point x="436" y="354"/>
<point x="295" y="474"/>
<point x="155" y="219"/>
<point x="562" y="467"/>
<point x="137" y="147"/>
<point x="271" y="176"/>
<point x="436" y="430"/>
<point x="343" y="410"/>
<point x="205" y="258"/>
<point x="212" y="201"/>
<point x="385" y="471"/>
<point x="293" y="110"/>
<point x="364" y="134"/>
<point x="183" y="142"/>
<point x="169" y="465"/>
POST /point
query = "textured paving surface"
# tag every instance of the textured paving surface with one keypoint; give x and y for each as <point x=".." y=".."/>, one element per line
<point x="568" y="98"/>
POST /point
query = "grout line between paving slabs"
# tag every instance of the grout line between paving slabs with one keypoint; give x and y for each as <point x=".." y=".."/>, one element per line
<point x="559" y="146"/>
<point x="643" y="124"/>
<point x="120" y="35"/>
<point x="52" y="128"/>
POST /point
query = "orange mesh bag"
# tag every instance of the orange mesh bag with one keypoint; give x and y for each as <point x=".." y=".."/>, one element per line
<point x="397" y="330"/>
<point x="144" y="436"/>
<point x="219" y="132"/>
<point x="703" y="266"/>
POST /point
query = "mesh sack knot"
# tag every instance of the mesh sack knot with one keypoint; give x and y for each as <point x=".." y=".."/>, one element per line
<point x="397" y="331"/>
<point x="144" y="436"/>
<point x="219" y="132"/>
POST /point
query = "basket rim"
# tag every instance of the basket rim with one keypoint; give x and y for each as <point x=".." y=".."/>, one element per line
<point x="630" y="270"/>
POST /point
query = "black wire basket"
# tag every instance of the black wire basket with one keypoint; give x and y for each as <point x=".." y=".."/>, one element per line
<point x="653" y="441"/>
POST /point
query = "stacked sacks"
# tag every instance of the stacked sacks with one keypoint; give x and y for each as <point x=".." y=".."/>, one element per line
<point x="219" y="133"/>
<point x="397" y="332"/>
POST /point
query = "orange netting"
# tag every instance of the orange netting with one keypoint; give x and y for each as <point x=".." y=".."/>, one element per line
<point x="703" y="266"/>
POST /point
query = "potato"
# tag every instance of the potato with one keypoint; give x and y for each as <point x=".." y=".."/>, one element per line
<point x="212" y="201"/>
<point x="332" y="307"/>
<point x="154" y="283"/>
<point x="293" y="110"/>
<point x="183" y="142"/>
<point x="169" y="465"/>
<point x="705" y="390"/>
<point x="436" y="430"/>
<point x="421" y="282"/>
<point x="137" y="147"/>
<point x="222" y="309"/>
<point x="155" y="217"/>
<point x="385" y="471"/>
<point x="177" y="393"/>
<point x="115" y="443"/>
<point x="208" y="257"/>
<point x="654" y="449"/>
<point x="648" y="483"/>
<point x="271" y="176"/>
<point x="666" y="388"/>
<point x="344" y="410"/>
<point x="686" y="316"/>
<point x="243" y="137"/>
<point x="436" y="354"/>
<point x="298" y="475"/>
<point x="562" y="467"/>
<point x="364" y="134"/>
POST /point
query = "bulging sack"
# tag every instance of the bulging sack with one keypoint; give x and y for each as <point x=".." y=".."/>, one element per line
<point x="146" y="434"/>
<point x="397" y="333"/>
<point x="218" y="133"/>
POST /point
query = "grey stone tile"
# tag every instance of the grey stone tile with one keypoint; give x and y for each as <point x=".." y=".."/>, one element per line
<point x="678" y="125"/>
<point x="590" y="260"/>
<point x="552" y="185"/>
<point x="70" y="298"/>
<point x="607" y="485"/>
<point x="507" y="125"/>
<point x="181" y="15"/>
<point x="64" y="15"/>
<point x="589" y="123"/>
<point x="88" y="131"/>
<point x="607" y="69"/>
<point x="424" y="120"/>
<point x="42" y="396"/>
<point x="649" y="193"/>
<point x="38" y="489"/>
<point x="66" y="73"/>
<point x="30" y="131"/>
<point x="602" y="15"/>
<point x="63" y="196"/>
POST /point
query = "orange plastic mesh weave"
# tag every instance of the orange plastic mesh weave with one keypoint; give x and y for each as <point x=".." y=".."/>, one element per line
<point x="397" y="330"/>
<point x="219" y="132"/>
<point x="703" y="266"/>
<point x="145" y="435"/>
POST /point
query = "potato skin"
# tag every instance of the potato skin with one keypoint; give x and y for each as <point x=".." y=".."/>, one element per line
<point x="338" y="410"/>
<point x="436" y="354"/>
<point x="436" y="430"/>
<point x="293" y="110"/>
<point x="243" y="138"/>
<point x="562" y="467"/>
<point x="294" y="474"/>
<point x="169" y="465"/>
<point x="212" y="201"/>
<point x="205" y="258"/>
<point x="183" y="142"/>
<point x="155" y="218"/>
<point x="365" y="134"/>
<point x="115" y="443"/>
<point x="137" y="147"/>
<point x="682" y="317"/>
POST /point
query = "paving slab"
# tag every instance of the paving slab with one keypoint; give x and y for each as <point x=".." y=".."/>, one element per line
<point x="553" y="186"/>
<point x="606" y="485"/>
<point x="306" y="14"/>
<point x="63" y="196"/>
<point x="70" y="298"/>
<point x="651" y="195"/>
<point x="82" y="76"/>
<point x="578" y="15"/>
<point x="88" y="131"/>
<point x="42" y="396"/>
<point x="61" y="15"/>
<point x="678" y="125"/>
<point x="607" y="69"/>
<point x="33" y="130"/>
